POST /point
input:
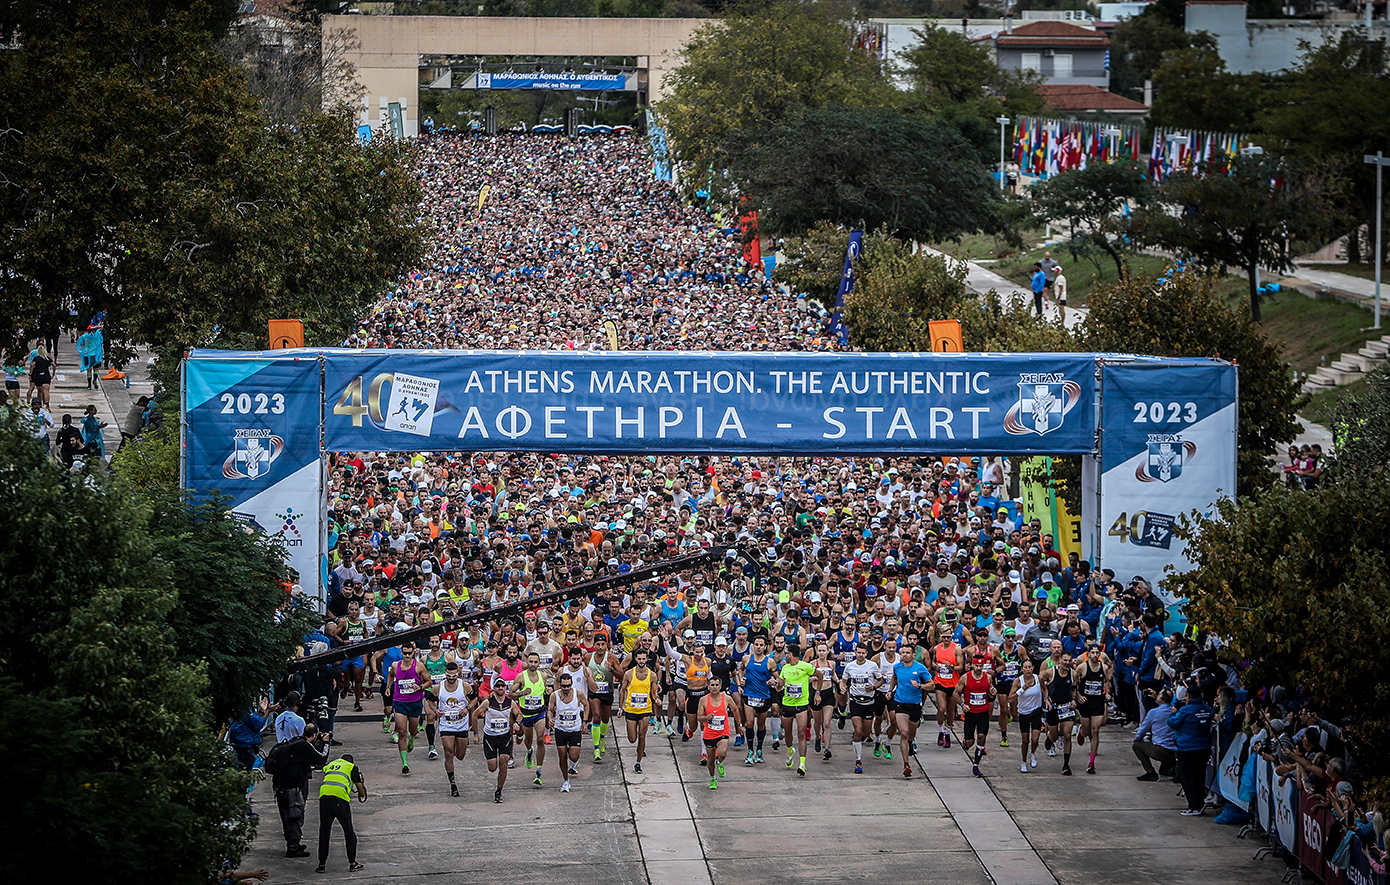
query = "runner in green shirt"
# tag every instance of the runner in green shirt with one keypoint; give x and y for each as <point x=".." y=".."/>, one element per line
<point x="795" y="679"/>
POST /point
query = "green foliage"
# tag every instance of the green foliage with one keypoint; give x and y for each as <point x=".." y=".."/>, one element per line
<point x="1139" y="44"/>
<point x="869" y="168"/>
<point x="142" y="178"/>
<point x="1330" y="111"/>
<point x="948" y="72"/>
<point x="1193" y="90"/>
<point x="1359" y="430"/>
<point x="1295" y="582"/>
<point x="814" y="262"/>
<point x="1244" y="218"/>
<point x="755" y="68"/>
<point x="1183" y="318"/>
<point x="1087" y="203"/>
<point x="137" y="785"/>
<point x="229" y="586"/>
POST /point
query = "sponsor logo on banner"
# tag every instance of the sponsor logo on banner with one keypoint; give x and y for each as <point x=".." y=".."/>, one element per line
<point x="1044" y="399"/>
<point x="1167" y="451"/>
<point x="1153" y="530"/>
<point x="289" y="531"/>
<point x="253" y="452"/>
<point x="412" y="404"/>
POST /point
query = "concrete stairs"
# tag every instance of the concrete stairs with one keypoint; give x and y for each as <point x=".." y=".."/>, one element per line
<point x="1349" y="366"/>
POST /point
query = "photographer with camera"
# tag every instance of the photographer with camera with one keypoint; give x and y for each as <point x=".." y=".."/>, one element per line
<point x="290" y="764"/>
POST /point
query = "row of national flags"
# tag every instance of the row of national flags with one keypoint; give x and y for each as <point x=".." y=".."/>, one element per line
<point x="1190" y="151"/>
<point x="1044" y="147"/>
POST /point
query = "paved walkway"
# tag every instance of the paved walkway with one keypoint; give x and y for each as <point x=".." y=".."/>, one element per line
<point x="979" y="280"/>
<point x="764" y="824"/>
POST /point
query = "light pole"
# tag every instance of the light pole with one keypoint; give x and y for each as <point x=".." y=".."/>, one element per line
<point x="1114" y="135"/>
<point x="1003" y="125"/>
<point x="1254" y="150"/>
<point x="1379" y="161"/>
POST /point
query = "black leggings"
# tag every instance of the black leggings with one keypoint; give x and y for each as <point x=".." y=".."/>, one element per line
<point x="332" y="808"/>
<point x="1192" y="774"/>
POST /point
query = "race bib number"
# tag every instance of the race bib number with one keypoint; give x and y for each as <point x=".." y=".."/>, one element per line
<point x="793" y="692"/>
<point x="497" y="727"/>
<point x="453" y="717"/>
<point x="1095" y="688"/>
<point x="569" y="720"/>
<point x="638" y="700"/>
<point x="600" y="688"/>
<point x="546" y="659"/>
<point x="945" y="671"/>
<point x="978" y="699"/>
<point x="716" y="723"/>
<point x="860" y="684"/>
<point x="1066" y="711"/>
<point x="1011" y="669"/>
<point x="532" y="702"/>
<point x="408" y="686"/>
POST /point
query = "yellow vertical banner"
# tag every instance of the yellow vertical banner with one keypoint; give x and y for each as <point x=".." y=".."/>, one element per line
<point x="1039" y="500"/>
<point x="482" y="197"/>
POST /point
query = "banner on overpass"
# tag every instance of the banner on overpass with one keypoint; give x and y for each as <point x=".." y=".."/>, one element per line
<point x="763" y="403"/>
<point x="564" y="82"/>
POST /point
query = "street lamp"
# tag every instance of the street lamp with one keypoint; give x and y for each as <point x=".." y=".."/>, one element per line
<point x="1113" y="133"/>
<point x="1254" y="150"/>
<point x="1003" y="123"/>
<point x="1379" y="161"/>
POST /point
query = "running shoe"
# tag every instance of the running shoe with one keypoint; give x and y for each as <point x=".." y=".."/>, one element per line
<point x="511" y="763"/>
<point x="878" y="750"/>
<point x="497" y="797"/>
<point x="759" y="758"/>
<point x="537" y="781"/>
<point x="598" y="754"/>
<point x="801" y="771"/>
<point x="738" y="741"/>
<point x="637" y="767"/>
<point x="703" y="757"/>
<point x="826" y="757"/>
<point x="1023" y="769"/>
<point x="791" y="758"/>
<point x="907" y="771"/>
<point x="357" y="706"/>
<point x="776" y="743"/>
<point x="840" y="719"/>
<point x="888" y="752"/>
<point x="685" y="735"/>
<point x="434" y="754"/>
<point x="391" y="738"/>
<point x="530" y="759"/>
<point x="817" y="745"/>
<point x="573" y="768"/>
<point x="749" y="760"/>
<point x="386" y="725"/>
<point x="1188" y="812"/>
<point x="714" y="783"/>
<point x="405" y="769"/>
<point x="565" y="787"/>
<point x="1066" y="769"/>
<point x="719" y="767"/>
<point x="1090" y="769"/>
<point x="410" y="744"/>
<point x="975" y="770"/>
<point x="320" y="869"/>
<point x="1004" y="741"/>
<point x="1032" y="760"/>
<point x="454" y="790"/>
<point x="912" y="748"/>
<point x="354" y="867"/>
<point x="858" y="767"/>
<point x="946" y="740"/>
<point x="1052" y="751"/>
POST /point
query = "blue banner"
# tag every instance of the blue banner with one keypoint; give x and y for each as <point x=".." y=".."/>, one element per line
<point x="852" y="251"/>
<point x="551" y="81"/>
<point x="690" y="403"/>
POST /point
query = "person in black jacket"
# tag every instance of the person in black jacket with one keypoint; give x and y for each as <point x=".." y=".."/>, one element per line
<point x="297" y="758"/>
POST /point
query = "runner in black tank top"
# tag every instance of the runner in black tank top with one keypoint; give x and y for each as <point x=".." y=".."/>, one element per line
<point x="1092" y="682"/>
<point x="1061" y="708"/>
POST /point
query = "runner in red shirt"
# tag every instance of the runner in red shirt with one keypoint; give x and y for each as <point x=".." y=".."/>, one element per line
<point x="978" y="697"/>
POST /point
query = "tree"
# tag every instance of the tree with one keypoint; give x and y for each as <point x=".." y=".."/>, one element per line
<point x="1183" y="317"/>
<point x="1193" y="90"/>
<point x="136" y="784"/>
<point x="756" y="67"/>
<point x="1294" y="582"/>
<point x="1093" y="205"/>
<point x="813" y="262"/>
<point x="1243" y="217"/>
<point x="1358" y="429"/>
<point x="948" y="72"/>
<point x="1140" y="43"/>
<point x="144" y="181"/>
<point x="871" y="168"/>
<point x="1331" y="110"/>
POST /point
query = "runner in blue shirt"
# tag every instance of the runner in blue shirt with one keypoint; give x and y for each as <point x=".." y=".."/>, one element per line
<point x="910" y="680"/>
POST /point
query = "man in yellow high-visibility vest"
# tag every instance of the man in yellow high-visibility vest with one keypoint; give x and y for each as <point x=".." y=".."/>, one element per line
<point x="340" y="778"/>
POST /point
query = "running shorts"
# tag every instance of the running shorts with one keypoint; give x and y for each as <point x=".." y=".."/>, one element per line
<point x="1030" y="721"/>
<point x="912" y="711"/>
<point x="692" y="701"/>
<point x="757" y="703"/>
<point x="1092" y="706"/>
<point x="636" y="717"/>
<point x="822" y="699"/>
<point x="411" y="709"/>
<point x="531" y="720"/>
<point x="567" y="738"/>
<point x="861" y="709"/>
<point x="495" y="745"/>
<point x="976" y="723"/>
<point x="713" y="743"/>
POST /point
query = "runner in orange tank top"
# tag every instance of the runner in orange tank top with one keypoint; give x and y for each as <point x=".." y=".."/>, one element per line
<point x="948" y="661"/>
<point x="714" y="719"/>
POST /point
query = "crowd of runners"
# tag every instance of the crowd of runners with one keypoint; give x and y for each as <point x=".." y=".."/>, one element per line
<point x="888" y="595"/>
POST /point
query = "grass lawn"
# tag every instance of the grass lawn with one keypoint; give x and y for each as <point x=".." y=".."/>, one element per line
<point x="984" y="247"/>
<point x="1366" y="271"/>
<point x="1322" y="406"/>
<point x="1312" y="329"/>
<point x="1083" y="275"/>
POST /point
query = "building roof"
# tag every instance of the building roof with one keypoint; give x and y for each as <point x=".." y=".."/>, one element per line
<point x="1059" y="97"/>
<point x="1051" y="33"/>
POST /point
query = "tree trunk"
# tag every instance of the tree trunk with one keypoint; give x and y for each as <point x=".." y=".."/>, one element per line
<point x="1354" y="244"/>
